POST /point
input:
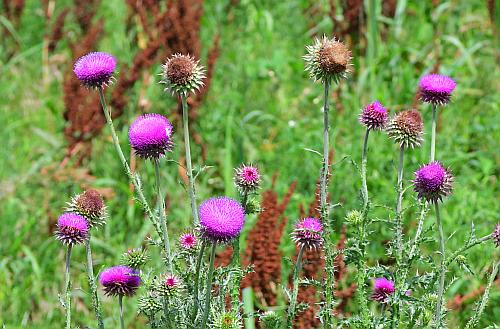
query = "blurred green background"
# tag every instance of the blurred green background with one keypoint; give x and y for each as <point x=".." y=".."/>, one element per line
<point x="261" y="108"/>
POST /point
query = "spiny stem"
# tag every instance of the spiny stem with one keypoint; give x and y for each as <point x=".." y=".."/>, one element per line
<point x="466" y="247"/>
<point x="293" y="300"/>
<point x="68" y="288"/>
<point x="196" y="281"/>
<point x="208" y="293"/>
<point x="120" y="303"/>
<point x="433" y="137"/>
<point x="92" y="285"/>
<point x="191" y="189"/>
<point x="442" y="270"/>
<point x="163" y="220"/>
<point x="364" y="160"/>
<point x="236" y="263"/>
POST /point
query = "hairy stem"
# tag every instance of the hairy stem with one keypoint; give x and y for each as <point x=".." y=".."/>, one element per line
<point x="67" y="292"/>
<point x="120" y="303"/>
<point x="442" y="269"/>
<point x="196" y="281"/>
<point x="466" y="247"/>
<point x="191" y="189"/>
<point x="208" y="293"/>
<point x="163" y="219"/>
<point x="433" y="137"/>
<point x="293" y="300"/>
<point x="92" y="285"/>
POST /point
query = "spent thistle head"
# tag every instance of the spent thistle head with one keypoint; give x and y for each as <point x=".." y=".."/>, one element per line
<point x="90" y="205"/>
<point x="406" y="128"/>
<point x="182" y="74"/>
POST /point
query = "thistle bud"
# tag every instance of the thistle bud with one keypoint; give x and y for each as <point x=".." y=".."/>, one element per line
<point x="135" y="258"/>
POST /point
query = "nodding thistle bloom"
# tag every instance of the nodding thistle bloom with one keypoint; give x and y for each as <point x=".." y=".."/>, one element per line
<point x="407" y="128"/>
<point x="247" y="178"/>
<point x="187" y="241"/>
<point x="168" y="284"/>
<point x="72" y="229"/>
<point x="436" y="89"/>
<point x="150" y="135"/>
<point x="327" y="59"/>
<point x="221" y="219"/>
<point x="90" y="205"/>
<point x="433" y="182"/>
<point x="120" y="281"/>
<point x="95" y="70"/>
<point x="374" y="116"/>
<point x="135" y="258"/>
<point x="308" y="232"/>
<point x="496" y="235"/>
<point x="382" y="289"/>
<point x="182" y="74"/>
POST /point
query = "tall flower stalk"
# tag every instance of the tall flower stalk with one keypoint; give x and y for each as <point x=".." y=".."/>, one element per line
<point x="295" y="279"/>
<point x="67" y="293"/>
<point x="163" y="220"/>
<point x="96" y="304"/>
<point x="208" y="290"/>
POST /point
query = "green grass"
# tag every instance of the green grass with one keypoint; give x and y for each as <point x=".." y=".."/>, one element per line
<point x="261" y="108"/>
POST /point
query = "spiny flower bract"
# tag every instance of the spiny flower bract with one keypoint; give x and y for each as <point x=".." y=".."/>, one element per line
<point x="221" y="219"/>
<point x="373" y="116"/>
<point x="150" y="135"/>
<point x="135" y="258"/>
<point x="182" y="74"/>
<point x="168" y="284"/>
<point x="436" y="89"/>
<point x="120" y="280"/>
<point x="187" y="241"/>
<point x="227" y="320"/>
<point x="308" y="233"/>
<point x="327" y="59"/>
<point x="247" y="178"/>
<point x="95" y="69"/>
<point x="406" y="128"/>
<point x="90" y="205"/>
<point x="72" y="229"/>
<point x="382" y="289"/>
<point x="433" y="182"/>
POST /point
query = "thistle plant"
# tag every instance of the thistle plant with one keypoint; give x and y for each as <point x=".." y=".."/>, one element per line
<point x="327" y="60"/>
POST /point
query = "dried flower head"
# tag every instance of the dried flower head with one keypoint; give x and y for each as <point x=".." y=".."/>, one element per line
<point x="221" y="219"/>
<point x="327" y="59"/>
<point x="407" y="128"/>
<point x="72" y="229"/>
<point x="90" y="205"/>
<point x="374" y="116"/>
<point x="247" y="178"/>
<point x="187" y="241"/>
<point x="308" y="232"/>
<point x="95" y="70"/>
<point x="382" y="289"/>
<point x="433" y="182"/>
<point x="182" y="74"/>
<point x="436" y="89"/>
<point x="495" y="236"/>
<point x="135" y="258"/>
<point x="150" y="135"/>
<point x="120" y="280"/>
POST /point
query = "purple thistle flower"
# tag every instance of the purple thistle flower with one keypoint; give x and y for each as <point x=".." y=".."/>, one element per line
<point x="308" y="232"/>
<point x="221" y="219"/>
<point x="433" y="182"/>
<point x="374" y="116"/>
<point x="72" y="229"/>
<point x="382" y="289"/>
<point x="187" y="240"/>
<point x="496" y="235"/>
<point x="436" y="89"/>
<point x="150" y="135"/>
<point x="247" y="178"/>
<point x="95" y="70"/>
<point x="120" y="280"/>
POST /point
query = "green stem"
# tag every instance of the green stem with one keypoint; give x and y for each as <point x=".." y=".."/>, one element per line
<point x="92" y="285"/>
<point x="196" y="282"/>
<point x="120" y="303"/>
<point x="134" y="178"/>
<point x="208" y="293"/>
<point x="236" y="263"/>
<point x="293" y="300"/>
<point x="433" y="137"/>
<point x="191" y="189"/>
<point x="364" y="160"/>
<point x="466" y="247"/>
<point x="67" y="292"/>
<point x="163" y="220"/>
<point x="442" y="270"/>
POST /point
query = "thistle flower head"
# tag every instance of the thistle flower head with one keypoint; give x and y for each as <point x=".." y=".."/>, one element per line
<point x="95" y="70"/>
<point x="327" y="59"/>
<point x="436" y="89"/>
<point x="120" y="280"/>
<point x="495" y="236"/>
<point x="221" y="219"/>
<point x="187" y="241"/>
<point x="406" y="128"/>
<point x="150" y="303"/>
<point x="382" y="289"/>
<point x="227" y="320"/>
<point x="247" y="178"/>
<point x="433" y="182"/>
<point x="135" y="258"/>
<point x="373" y="116"/>
<point x="150" y="135"/>
<point x="72" y="229"/>
<point x="90" y="205"/>
<point x="308" y="233"/>
<point x="168" y="284"/>
<point x="271" y="320"/>
<point x="182" y="74"/>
